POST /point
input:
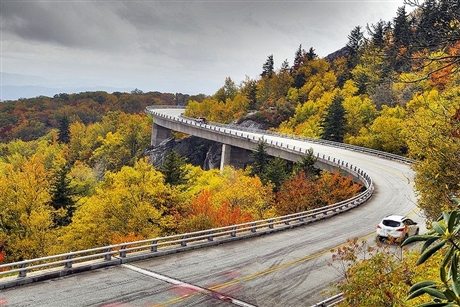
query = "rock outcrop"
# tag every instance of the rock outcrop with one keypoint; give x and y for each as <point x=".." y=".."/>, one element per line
<point x="198" y="151"/>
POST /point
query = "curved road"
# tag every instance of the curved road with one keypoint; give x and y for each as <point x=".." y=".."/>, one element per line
<point x="289" y="267"/>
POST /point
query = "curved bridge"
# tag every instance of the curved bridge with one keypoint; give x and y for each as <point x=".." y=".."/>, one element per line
<point x="287" y="267"/>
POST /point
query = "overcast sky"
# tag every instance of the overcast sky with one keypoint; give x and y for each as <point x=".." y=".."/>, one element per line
<point x="168" y="46"/>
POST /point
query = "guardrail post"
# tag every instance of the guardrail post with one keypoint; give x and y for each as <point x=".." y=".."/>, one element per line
<point x="286" y="222"/>
<point x="23" y="272"/>
<point x="183" y="242"/>
<point x="270" y="225"/>
<point x="233" y="233"/>
<point x="68" y="264"/>
<point x="122" y="251"/>
<point x="253" y="229"/>
<point x="154" y="246"/>
<point x="107" y="257"/>
<point x="210" y="238"/>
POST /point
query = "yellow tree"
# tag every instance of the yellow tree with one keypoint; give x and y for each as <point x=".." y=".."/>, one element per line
<point x="433" y="136"/>
<point x="26" y="216"/>
<point x="385" y="133"/>
<point x="360" y="111"/>
<point x="126" y="204"/>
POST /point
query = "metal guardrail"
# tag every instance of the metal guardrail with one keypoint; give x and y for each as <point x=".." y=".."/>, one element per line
<point x="331" y="301"/>
<point x="295" y="137"/>
<point x="130" y="251"/>
<point x="317" y="141"/>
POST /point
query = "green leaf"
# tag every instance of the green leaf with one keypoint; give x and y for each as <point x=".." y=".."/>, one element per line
<point x="453" y="266"/>
<point x="454" y="275"/>
<point x="428" y="253"/>
<point x="442" y="274"/>
<point x="434" y="304"/>
<point x="450" y="295"/>
<point x="448" y="256"/>
<point x="428" y="243"/>
<point x="451" y="221"/>
<point x="456" y="287"/>
<point x="439" y="228"/>
<point x="430" y="290"/>
<point x="434" y="292"/>
<point x="422" y="284"/>
<point x="417" y="293"/>
<point x="446" y="216"/>
<point x="416" y="239"/>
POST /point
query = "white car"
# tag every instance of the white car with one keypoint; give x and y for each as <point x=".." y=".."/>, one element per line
<point x="396" y="227"/>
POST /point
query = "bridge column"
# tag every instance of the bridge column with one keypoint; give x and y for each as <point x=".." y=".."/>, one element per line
<point x="225" y="156"/>
<point x="159" y="134"/>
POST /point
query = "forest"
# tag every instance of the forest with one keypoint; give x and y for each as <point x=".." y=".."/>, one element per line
<point x="74" y="173"/>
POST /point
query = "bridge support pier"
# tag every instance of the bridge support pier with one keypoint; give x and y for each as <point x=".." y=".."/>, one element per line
<point x="235" y="156"/>
<point x="159" y="134"/>
<point x="225" y="156"/>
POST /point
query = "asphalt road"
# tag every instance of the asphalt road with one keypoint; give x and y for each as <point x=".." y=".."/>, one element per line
<point x="288" y="268"/>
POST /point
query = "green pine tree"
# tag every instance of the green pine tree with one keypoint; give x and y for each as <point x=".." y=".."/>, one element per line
<point x="64" y="133"/>
<point x="261" y="160"/>
<point x="334" y="122"/>
<point x="355" y="42"/>
<point x="173" y="168"/>
<point x="62" y="196"/>
<point x="268" y="67"/>
<point x="307" y="165"/>
<point x="276" y="173"/>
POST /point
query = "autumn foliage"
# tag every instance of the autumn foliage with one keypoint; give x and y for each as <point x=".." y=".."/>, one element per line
<point x="204" y="214"/>
<point x="301" y="192"/>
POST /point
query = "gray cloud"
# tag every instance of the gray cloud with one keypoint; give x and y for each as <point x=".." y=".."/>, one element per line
<point x="185" y="46"/>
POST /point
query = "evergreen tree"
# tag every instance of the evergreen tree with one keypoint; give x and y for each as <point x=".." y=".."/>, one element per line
<point x="355" y="42"/>
<point x="401" y="29"/>
<point x="311" y="55"/>
<point x="307" y="165"/>
<point x="334" y="122"/>
<point x="377" y="33"/>
<point x="296" y="72"/>
<point x="285" y="66"/>
<point x="261" y="160"/>
<point x="276" y="173"/>
<point x="230" y="88"/>
<point x="299" y="59"/>
<point x="268" y="69"/>
<point x="402" y="39"/>
<point x="426" y="27"/>
<point x="62" y="196"/>
<point x="64" y="134"/>
<point x="173" y="168"/>
<point x="249" y="89"/>
<point x="228" y="91"/>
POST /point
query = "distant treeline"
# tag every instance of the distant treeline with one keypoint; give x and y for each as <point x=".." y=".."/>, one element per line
<point x="28" y="119"/>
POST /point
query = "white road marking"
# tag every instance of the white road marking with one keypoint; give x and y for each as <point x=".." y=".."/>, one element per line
<point x="176" y="282"/>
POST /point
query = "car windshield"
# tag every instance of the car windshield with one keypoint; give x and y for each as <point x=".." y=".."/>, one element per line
<point x="391" y="223"/>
